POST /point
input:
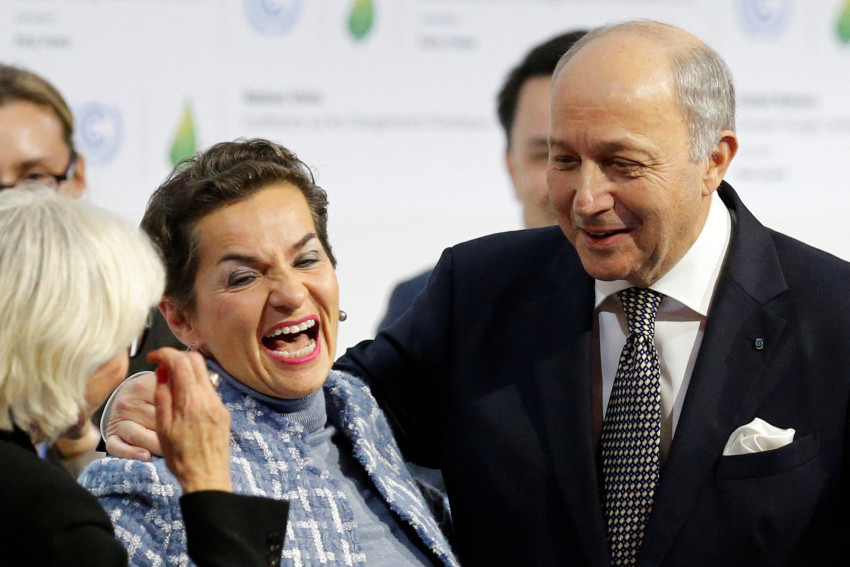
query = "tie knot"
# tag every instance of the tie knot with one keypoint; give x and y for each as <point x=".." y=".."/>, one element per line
<point x="640" y="305"/>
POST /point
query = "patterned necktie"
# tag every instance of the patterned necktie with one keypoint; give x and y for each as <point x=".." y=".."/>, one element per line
<point x="631" y="432"/>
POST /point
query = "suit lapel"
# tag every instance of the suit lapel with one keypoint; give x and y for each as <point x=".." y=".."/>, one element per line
<point x="728" y="379"/>
<point x="562" y="385"/>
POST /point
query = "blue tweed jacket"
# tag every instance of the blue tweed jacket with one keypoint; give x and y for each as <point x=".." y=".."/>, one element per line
<point x="268" y="458"/>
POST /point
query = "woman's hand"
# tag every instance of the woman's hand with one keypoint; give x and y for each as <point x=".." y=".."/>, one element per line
<point x="192" y="424"/>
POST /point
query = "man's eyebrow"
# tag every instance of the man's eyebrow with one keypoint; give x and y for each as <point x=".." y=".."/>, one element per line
<point x="252" y="261"/>
<point x="605" y="146"/>
<point x="616" y="145"/>
<point x="538" y="142"/>
<point x="556" y="143"/>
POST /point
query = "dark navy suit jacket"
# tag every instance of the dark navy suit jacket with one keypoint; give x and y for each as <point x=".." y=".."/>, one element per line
<point x="489" y="377"/>
<point x="402" y="298"/>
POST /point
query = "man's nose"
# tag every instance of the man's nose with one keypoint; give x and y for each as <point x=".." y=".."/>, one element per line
<point x="592" y="193"/>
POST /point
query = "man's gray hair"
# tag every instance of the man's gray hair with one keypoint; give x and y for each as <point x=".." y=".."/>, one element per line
<point x="704" y="86"/>
<point x="76" y="285"/>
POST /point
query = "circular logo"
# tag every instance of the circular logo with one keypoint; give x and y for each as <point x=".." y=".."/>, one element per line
<point x="273" y="17"/>
<point x="764" y="18"/>
<point x="99" y="133"/>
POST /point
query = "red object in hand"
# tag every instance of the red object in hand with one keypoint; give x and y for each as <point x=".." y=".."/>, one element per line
<point x="161" y="374"/>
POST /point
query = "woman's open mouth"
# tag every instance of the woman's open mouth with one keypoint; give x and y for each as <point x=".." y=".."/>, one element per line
<point x="294" y="341"/>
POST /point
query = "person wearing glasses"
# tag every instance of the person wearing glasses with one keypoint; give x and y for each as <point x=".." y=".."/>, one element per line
<point x="36" y="135"/>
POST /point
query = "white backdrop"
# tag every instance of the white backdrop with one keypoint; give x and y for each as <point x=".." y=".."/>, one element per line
<point x="392" y="103"/>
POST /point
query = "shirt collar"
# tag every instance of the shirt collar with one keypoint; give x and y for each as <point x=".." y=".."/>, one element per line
<point x="692" y="280"/>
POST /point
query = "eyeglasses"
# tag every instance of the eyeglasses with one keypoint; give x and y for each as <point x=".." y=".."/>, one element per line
<point x="139" y="342"/>
<point x="45" y="179"/>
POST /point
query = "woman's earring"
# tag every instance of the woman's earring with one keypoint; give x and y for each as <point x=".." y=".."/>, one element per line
<point x="342" y="315"/>
<point x="191" y="348"/>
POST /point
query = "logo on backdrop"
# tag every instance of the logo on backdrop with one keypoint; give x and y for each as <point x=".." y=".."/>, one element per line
<point x="100" y="131"/>
<point x="843" y="26"/>
<point x="273" y="17"/>
<point x="764" y="19"/>
<point x="184" y="144"/>
<point x="361" y="19"/>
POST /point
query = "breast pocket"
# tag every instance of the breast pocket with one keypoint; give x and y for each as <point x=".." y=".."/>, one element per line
<point x="767" y="463"/>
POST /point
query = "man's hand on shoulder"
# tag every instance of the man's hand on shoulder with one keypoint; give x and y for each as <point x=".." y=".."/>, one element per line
<point x="129" y="419"/>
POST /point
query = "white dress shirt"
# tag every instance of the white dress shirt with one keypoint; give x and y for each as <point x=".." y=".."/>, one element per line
<point x="688" y="288"/>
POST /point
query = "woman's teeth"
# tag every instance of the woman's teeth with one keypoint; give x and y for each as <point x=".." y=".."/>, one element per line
<point x="300" y="352"/>
<point x="309" y="324"/>
<point x="302" y="335"/>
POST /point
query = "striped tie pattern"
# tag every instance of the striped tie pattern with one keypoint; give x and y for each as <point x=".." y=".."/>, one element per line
<point x="631" y="432"/>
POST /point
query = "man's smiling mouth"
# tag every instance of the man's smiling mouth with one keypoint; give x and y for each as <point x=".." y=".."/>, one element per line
<point x="293" y="341"/>
<point x="602" y="234"/>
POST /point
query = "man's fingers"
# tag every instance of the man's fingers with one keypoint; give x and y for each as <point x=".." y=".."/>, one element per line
<point x="117" y="448"/>
<point x="135" y="436"/>
<point x="129" y="408"/>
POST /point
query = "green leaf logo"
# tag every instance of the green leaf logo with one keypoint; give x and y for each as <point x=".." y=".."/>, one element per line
<point x="184" y="145"/>
<point x="361" y="18"/>
<point x="844" y="23"/>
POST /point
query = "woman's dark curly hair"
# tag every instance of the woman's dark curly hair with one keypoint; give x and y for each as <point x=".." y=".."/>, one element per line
<point x="226" y="173"/>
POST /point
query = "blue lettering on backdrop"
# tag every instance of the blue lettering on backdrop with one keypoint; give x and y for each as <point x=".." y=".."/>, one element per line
<point x="100" y="131"/>
<point x="273" y="17"/>
<point x="764" y="19"/>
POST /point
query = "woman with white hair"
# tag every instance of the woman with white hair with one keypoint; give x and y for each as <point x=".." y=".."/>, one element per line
<point x="76" y="286"/>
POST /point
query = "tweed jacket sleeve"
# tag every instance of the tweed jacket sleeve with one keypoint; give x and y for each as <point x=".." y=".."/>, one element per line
<point x="142" y="501"/>
<point x="152" y="518"/>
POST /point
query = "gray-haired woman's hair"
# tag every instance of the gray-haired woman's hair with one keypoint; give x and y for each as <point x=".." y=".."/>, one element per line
<point x="704" y="86"/>
<point x="76" y="285"/>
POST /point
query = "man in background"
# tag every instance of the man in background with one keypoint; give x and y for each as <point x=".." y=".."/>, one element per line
<point x="523" y="109"/>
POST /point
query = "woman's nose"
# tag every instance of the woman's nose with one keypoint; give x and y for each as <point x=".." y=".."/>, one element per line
<point x="287" y="292"/>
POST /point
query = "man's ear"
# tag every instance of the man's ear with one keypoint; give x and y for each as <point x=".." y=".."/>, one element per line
<point x="511" y="167"/>
<point x="179" y="323"/>
<point x="719" y="160"/>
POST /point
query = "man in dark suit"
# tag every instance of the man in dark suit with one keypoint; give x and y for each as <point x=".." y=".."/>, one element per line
<point x="505" y="368"/>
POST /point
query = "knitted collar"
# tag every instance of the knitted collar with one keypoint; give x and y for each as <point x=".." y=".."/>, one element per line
<point x="309" y="411"/>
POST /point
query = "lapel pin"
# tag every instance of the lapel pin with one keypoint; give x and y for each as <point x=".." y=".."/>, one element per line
<point x="758" y="343"/>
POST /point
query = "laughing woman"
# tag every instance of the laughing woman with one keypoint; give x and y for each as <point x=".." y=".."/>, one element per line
<point x="251" y="285"/>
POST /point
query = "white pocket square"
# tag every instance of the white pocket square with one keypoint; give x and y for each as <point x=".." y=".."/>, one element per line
<point x="757" y="436"/>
